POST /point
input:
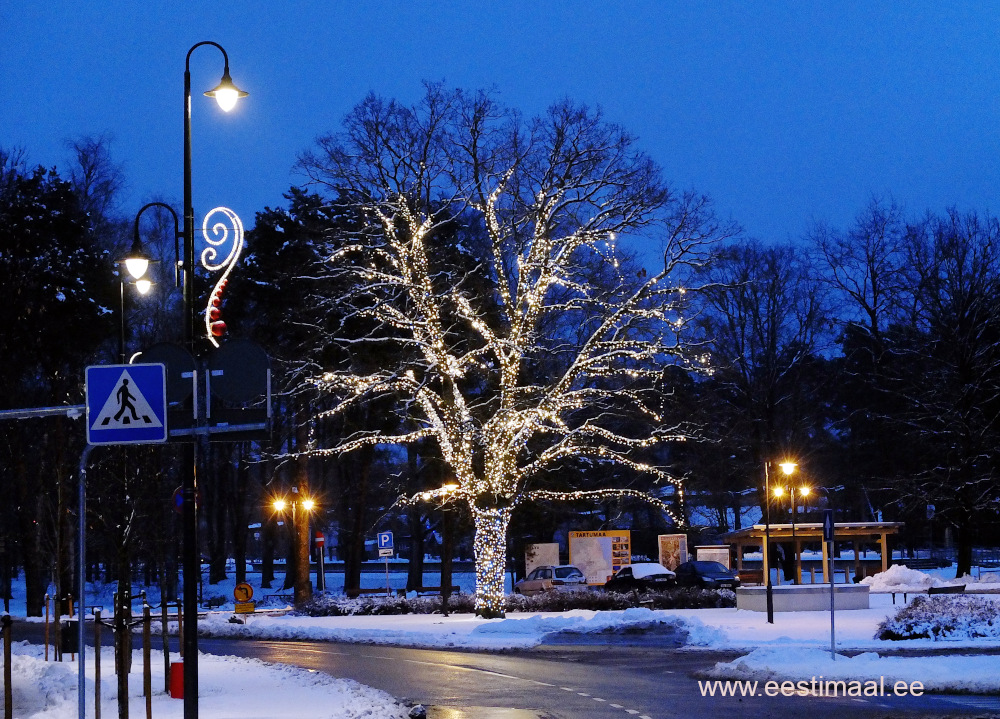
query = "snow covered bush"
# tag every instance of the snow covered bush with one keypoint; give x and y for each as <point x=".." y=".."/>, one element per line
<point x="943" y="617"/>
<point x="687" y="598"/>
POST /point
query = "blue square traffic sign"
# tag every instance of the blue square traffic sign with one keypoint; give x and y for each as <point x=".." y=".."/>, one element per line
<point x="385" y="540"/>
<point x="126" y="404"/>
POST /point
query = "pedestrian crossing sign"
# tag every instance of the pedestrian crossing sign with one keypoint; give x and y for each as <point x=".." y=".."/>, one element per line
<point x="126" y="404"/>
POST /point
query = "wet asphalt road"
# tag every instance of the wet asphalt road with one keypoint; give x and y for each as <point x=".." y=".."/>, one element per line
<point x="618" y="678"/>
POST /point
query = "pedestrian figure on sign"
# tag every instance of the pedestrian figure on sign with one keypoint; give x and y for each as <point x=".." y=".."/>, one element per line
<point x="124" y="397"/>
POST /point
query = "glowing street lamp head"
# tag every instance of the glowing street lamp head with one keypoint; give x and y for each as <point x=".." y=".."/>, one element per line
<point x="804" y="491"/>
<point x="778" y="491"/>
<point x="137" y="261"/>
<point x="788" y="467"/>
<point x="279" y="505"/>
<point x="308" y="505"/>
<point x="226" y="93"/>
<point x="144" y="286"/>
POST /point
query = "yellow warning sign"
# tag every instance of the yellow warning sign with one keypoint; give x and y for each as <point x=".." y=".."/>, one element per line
<point x="245" y="607"/>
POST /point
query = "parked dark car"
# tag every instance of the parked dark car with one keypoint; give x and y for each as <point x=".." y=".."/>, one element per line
<point x="708" y="575"/>
<point x="642" y="576"/>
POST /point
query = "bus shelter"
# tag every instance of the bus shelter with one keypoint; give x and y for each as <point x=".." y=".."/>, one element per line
<point x="857" y="533"/>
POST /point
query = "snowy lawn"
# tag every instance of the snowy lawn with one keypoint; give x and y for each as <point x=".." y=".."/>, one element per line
<point x="730" y="629"/>
<point x="952" y="674"/>
<point x="229" y="687"/>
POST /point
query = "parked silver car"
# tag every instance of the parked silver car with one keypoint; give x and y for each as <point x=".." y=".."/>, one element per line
<point x="545" y="578"/>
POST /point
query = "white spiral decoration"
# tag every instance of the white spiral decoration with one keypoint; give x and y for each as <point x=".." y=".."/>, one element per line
<point x="217" y="238"/>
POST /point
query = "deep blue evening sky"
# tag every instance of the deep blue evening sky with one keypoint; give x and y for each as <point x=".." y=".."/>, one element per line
<point x="784" y="112"/>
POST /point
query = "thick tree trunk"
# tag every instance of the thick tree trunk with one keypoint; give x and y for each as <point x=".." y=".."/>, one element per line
<point x="34" y="573"/>
<point x="239" y="515"/>
<point x="490" y="548"/>
<point x="218" y="497"/>
<point x="964" y="541"/>
<point x="415" y="567"/>
<point x="123" y="633"/>
<point x="353" y="540"/>
<point x="267" y="532"/>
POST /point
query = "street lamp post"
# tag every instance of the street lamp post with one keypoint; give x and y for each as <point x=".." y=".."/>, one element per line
<point x="300" y="541"/>
<point x="226" y="94"/>
<point x="787" y="468"/>
<point x="142" y="286"/>
<point x="136" y="263"/>
<point x="779" y="491"/>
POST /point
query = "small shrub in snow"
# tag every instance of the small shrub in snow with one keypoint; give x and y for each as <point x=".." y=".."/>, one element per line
<point x="338" y="606"/>
<point x="943" y="617"/>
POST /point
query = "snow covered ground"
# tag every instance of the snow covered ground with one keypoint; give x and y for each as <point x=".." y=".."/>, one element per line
<point x="229" y="687"/>
<point x="794" y="647"/>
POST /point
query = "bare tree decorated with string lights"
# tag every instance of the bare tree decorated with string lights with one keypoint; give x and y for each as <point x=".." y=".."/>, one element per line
<point x="483" y="249"/>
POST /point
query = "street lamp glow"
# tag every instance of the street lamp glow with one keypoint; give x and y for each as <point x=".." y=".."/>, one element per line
<point x="226" y="93"/>
<point x="136" y="266"/>
<point x="788" y="467"/>
<point x="308" y="505"/>
<point x="137" y="261"/>
<point x="279" y="505"/>
<point x="143" y="286"/>
<point x="779" y="491"/>
<point x="804" y="491"/>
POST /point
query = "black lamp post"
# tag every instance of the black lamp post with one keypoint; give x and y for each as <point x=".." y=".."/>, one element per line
<point x="787" y="468"/>
<point x="302" y="508"/>
<point x="136" y="263"/>
<point x="226" y="94"/>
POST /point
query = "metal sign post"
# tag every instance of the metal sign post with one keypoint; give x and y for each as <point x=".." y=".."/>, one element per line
<point x="828" y="528"/>
<point x="385" y="550"/>
<point x="321" y="551"/>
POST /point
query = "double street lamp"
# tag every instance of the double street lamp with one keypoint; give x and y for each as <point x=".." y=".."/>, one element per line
<point x="803" y="491"/>
<point x="787" y="469"/>
<point x="226" y="94"/>
<point x="304" y="506"/>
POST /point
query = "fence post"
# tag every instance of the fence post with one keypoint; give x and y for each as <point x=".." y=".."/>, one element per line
<point x="180" y="627"/>
<point x="97" y="663"/>
<point x="46" y="627"/>
<point x="166" y="645"/>
<point x="147" y="678"/>
<point x="69" y="618"/>
<point x="8" y="689"/>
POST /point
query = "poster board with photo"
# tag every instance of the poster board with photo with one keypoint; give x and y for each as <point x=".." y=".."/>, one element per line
<point x="537" y="555"/>
<point x="673" y="550"/>
<point x="600" y="554"/>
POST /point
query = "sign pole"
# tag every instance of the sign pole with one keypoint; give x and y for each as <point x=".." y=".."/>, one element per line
<point x="828" y="528"/>
<point x="321" y="549"/>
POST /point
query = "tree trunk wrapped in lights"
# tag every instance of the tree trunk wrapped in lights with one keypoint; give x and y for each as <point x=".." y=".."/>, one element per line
<point x="477" y="273"/>
<point x="490" y="548"/>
